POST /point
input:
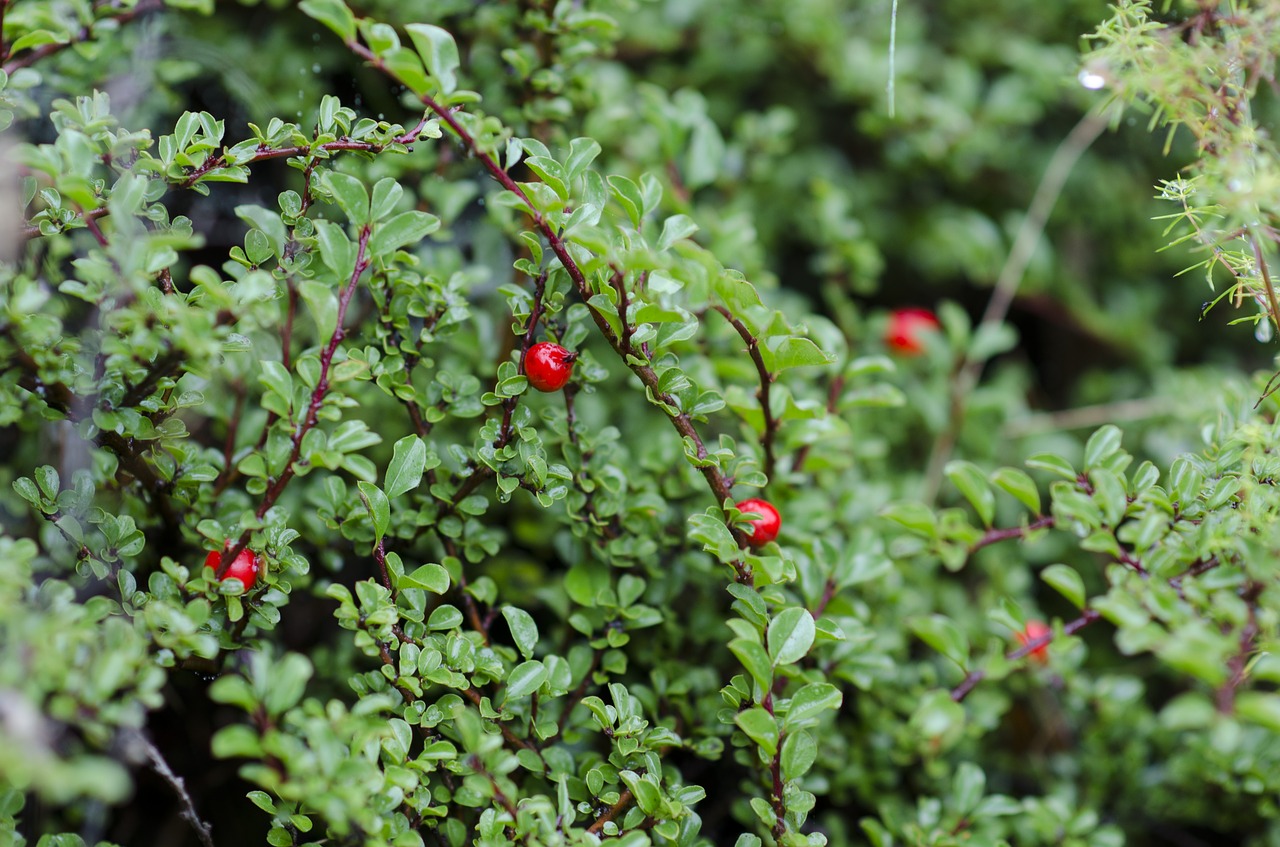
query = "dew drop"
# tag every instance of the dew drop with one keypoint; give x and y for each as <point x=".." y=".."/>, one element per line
<point x="315" y="69"/>
<point x="1092" y="80"/>
<point x="1262" y="331"/>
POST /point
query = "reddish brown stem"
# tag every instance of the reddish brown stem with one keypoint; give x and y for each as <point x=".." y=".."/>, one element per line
<point x="775" y="773"/>
<point x="1248" y="644"/>
<point x="995" y="536"/>
<point x="263" y="153"/>
<point x="82" y="35"/>
<point x="971" y="681"/>
<point x="770" y="433"/>
<point x="513" y="741"/>
<point x="624" y="800"/>
<point x="311" y="418"/>
<point x="716" y="481"/>
<point x="833" y="400"/>
<point x="380" y="556"/>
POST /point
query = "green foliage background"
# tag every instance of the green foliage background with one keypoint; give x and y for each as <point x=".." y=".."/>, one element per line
<point x="270" y="284"/>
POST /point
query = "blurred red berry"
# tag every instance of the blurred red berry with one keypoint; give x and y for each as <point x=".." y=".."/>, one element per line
<point x="906" y="330"/>
<point x="1033" y="631"/>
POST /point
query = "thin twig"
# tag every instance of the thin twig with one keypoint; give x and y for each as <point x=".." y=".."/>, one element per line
<point x="974" y="677"/>
<point x="624" y="800"/>
<point x="1089" y="417"/>
<point x="833" y="402"/>
<point x="82" y="35"/>
<point x="716" y="480"/>
<point x="1238" y="663"/>
<point x="161" y="767"/>
<point x="1024" y="246"/>
<point x="311" y="418"/>
<point x="762" y="394"/>
<point x="994" y="536"/>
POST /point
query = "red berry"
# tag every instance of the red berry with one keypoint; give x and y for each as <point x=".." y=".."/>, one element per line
<point x="906" y="329"/>
<point x="548" y="366"/>
<point x="1034" y="631"/>
<point x="244" y="568"/>
<point x="764" y="528"/>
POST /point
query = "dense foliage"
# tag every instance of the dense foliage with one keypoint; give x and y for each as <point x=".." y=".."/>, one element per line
<point x="293" y="550"/>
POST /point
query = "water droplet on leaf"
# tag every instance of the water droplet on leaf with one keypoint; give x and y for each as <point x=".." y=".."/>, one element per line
<point x="1092" y="80"/>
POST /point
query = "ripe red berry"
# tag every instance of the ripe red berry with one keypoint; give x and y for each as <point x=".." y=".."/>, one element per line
<point x="548" y="366"/>
<point x="244" y="568"/>
<point x="764" y="528"/>
<point x="1033" y="631"/>
<point x="906" y="330"/>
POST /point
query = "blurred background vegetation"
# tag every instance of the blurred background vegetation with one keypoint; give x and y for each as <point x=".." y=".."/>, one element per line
<point x="768" y="122"/>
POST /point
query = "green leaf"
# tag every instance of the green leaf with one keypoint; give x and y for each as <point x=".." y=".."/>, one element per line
<point x="276" y="378"/>
<point x="760" y="727"/>
<point x="439" y="53"/>
<point x="916" y="517"/>
<point x="755" y="660"/>
<point x="444" y="617"/>
<point x="237" y="741"/>
<point x="1020" y="485"/>
<point x="523" y="629"/>
<point x="943" y="635"/>
<point x="992" y="340"/>
<point x="967" y="788"/>
<point x="233" y="690"/>
<point x="338" y="254"/>
<point x="790" y="635"/>
<point x="794" y="352"/>
<point x="1261" y="708"/>
<point x="36" y="38"/>
<point x="408" y="461"/>
<point x="972" y="483"/>
<point x="429" y="577"/>
<point x="674" y="229"/>
<point x="1067" y="582"/>
<point x="386" y="194"/>
<point x="1054" y="464"/>
<point x="1109" y="494"/>
<point x="799" y="752"/>
<point x="405" y="228"/>
<point x="353" y="435"/>
<point x="1101" y="445"/>
<point x="379" y="508"/>
<point x="525" y="679"/>
<point x="287" y="683"/>
<point x="811" y="701"/>
<point x="645" y="789"/>
<point x="350" y="195"/>
<point x="627" y="193"/>
<point x="333" y="14"/>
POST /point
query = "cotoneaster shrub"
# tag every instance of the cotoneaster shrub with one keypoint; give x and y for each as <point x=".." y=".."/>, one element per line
<point x="272" y="293"/>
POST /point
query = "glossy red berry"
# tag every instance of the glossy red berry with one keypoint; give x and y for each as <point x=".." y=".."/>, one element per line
<point x="548" y="366"/>
<point x="244" y="568"/>
<point x="1034" y="631"/>
<point x="906" y="330"/>
<point x="764" y="528"/>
